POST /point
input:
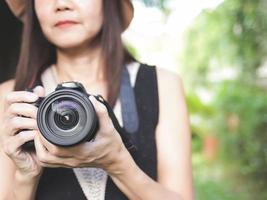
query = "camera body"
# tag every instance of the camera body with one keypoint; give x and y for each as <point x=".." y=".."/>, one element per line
<point x="66" y="117"/>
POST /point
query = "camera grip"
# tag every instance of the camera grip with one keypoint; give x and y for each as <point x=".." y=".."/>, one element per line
<point x="29" y="146"/>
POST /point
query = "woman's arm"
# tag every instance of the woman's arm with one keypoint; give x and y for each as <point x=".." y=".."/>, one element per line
<point x="173" y="147"/>
<point x="174" y="136"/>
<point x="7" y="168"/>
<point x="13" y="185"/>
<point x="19" y="187"/>
<point x="135" y="184"/>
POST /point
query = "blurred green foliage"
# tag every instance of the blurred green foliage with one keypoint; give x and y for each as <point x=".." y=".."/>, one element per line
<point x="241" y="124"/>
<point x="234" y="35"/>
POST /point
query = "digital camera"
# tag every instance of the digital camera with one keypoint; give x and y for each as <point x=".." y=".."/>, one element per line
<point x="66" y="117"/>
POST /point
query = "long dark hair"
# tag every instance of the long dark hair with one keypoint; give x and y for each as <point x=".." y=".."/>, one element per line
<point x="37" y="53"/>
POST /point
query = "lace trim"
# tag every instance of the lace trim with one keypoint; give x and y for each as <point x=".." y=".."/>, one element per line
<point x="92" y="181"/>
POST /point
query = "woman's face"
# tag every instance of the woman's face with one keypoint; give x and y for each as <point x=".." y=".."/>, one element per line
<point x="70" y="23"/>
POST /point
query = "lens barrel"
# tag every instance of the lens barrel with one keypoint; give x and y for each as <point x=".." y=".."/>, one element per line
<point x="67" y="117"/>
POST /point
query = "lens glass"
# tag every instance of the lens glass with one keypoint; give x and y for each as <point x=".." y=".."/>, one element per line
<point x="66" y="118"/>
<point x="66" y="113"/>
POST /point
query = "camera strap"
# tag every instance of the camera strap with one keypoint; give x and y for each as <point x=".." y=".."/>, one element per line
<point x="128" y="105"/>
<point x="124" y="136"/>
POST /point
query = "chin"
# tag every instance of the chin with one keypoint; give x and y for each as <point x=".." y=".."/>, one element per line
<point x="69" y="43"/>
<point x="65" y="41"/>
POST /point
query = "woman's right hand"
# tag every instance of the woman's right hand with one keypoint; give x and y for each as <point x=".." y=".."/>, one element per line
<point x="18" y="127"/>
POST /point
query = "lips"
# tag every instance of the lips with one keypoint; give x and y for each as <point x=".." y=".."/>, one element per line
<point x="65" y="23"/>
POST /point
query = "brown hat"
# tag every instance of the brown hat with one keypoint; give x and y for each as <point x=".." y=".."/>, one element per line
<point x="17" y="7"/>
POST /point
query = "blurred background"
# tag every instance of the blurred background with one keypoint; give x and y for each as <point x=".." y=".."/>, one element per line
<point x="219" y="48"/>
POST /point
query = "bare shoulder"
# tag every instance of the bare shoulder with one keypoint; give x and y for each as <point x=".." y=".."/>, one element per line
<point x="6" y="87"/>
<point x="169" y="80"/>
<point x="167" y="74"/>
<point x="172" y="103"/>
<point x="170" y="86"/>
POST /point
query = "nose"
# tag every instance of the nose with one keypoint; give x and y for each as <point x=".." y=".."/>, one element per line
<point x="63" y="5"/>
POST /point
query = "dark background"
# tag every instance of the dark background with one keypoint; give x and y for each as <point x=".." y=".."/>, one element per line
<point x="10" y="36"/>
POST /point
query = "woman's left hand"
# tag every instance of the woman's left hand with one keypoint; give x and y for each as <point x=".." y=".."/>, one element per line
<point x="105" y="151"/>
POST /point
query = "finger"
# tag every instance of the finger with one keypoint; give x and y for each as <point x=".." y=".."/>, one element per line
<point x="43" y="154"/>
<point x="105" y="123"/>
<point x="16" y="124"/>
<point x="69" y="160"/>
<point x="48" y="165"/>
<point x="39" y="90"/>
<point x="20" y="96"/>
<point x="13" y="145"/>
<point x="79" y="151"/>
<point x="23" y="109"/>
<point x="56" y="150"/>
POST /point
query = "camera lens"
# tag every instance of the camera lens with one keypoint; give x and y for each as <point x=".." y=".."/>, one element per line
<point x="67" y="117"/>
<point x="66" y="114"/>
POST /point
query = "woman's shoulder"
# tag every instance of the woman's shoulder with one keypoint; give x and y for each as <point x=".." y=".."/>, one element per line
<point x="6" y="87"/>
<point x="163" y="74"/>
<point x="170" y="84"/>
<point x="171" y="92"/>
<point x="167" y="81"/>
<point x="168" y="76"/>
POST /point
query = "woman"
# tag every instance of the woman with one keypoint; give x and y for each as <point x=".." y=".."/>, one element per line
<point x="67" y="40"/>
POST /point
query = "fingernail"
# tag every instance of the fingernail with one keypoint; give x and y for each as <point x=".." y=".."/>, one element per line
<point x="37" y="88"/>
<point x="29" y="134"/>
<point x="92" y="99"/>
<point x="33" y="96"/>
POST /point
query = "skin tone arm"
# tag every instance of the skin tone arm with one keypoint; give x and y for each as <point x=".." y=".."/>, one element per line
<point x="174" y="149"/>
<point x="174" y="132"/>
<point x="18" y="170"/>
